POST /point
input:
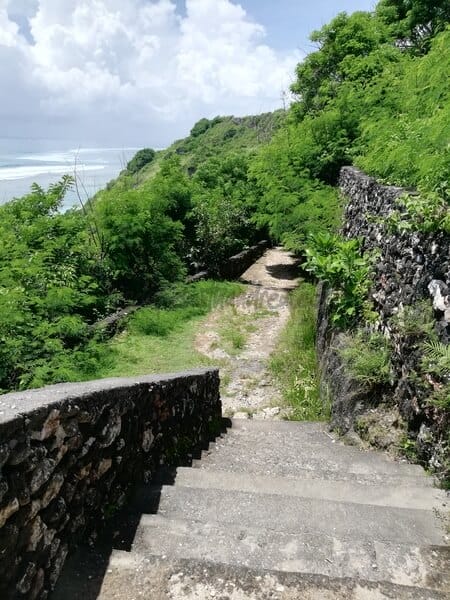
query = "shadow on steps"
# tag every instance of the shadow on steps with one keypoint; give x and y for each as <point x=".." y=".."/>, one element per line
<point x="85" y="569"/>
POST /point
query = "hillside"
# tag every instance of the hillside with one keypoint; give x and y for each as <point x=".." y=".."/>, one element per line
<point x="212" y="139"/>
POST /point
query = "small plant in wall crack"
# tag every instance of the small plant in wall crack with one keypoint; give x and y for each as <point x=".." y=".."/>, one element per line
<point x="436" y="358"/>
<point x="368" y="358"/>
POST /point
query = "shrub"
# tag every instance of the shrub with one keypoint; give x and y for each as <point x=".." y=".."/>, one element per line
<point x="341" y="264"/>
<point x="426" y="212"/>
<point x="140" y="159"/>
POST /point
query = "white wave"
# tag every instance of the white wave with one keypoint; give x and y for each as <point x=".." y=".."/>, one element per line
<point x="11" y="173"/>
<point x="71" y="155"/>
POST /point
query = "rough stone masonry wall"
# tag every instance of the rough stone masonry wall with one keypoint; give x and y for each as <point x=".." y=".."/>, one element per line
<point x="70" y="454"/>
<point x="412" y="267"/>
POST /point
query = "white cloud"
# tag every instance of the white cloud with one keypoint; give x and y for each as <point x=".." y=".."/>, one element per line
<point x="119" y="69"/>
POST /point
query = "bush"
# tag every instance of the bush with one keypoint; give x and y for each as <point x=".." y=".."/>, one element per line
<point x="140" y="159"/>
<point x="340" y="263"/>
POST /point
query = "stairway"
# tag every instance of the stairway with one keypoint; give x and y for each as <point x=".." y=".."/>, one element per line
<point x="282" y="511"/>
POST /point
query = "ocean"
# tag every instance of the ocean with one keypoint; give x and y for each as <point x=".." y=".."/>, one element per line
<point x="94" y="168"/>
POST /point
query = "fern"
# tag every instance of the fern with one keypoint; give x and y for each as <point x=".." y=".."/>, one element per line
<point x="437" y="357"/>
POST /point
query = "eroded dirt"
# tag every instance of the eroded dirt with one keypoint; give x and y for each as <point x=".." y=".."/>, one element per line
<point x="261" y="313"/>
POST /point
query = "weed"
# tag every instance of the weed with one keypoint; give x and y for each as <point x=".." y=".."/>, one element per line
<point x="408" y="448"/>
<point x="416" y="320"/>
<point x="368" y="358"/>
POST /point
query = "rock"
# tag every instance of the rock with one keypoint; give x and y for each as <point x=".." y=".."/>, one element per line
<point x="4" y="454"/>
<point x="111" y="431"/>
<point x="38" y="584"/>
<point x="440" y="294"/>
<point x="4" y="487"/>
<point x="241" y="415"/>
<point x="50" y="426"/>
<point x="272" y="412"/>
<point x="52" y="490"/>
<point x="36" y="532"/>
<point x="147" y="440"/>
<point x="102" y="468"/>
<point x="8" y="510"/>
<point x="25" y="582"/>
<point x="42" y="474"/>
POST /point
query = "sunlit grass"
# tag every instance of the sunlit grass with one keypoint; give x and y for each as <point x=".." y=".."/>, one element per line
<point x="294" y="362"/>
<point x="161" y="339"/>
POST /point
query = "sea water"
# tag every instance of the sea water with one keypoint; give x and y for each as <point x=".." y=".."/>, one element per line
<point x="92" y="167"/>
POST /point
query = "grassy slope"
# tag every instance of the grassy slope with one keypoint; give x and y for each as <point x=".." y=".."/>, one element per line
<point x="162" y="338"/>
<point x="229" y="134"/>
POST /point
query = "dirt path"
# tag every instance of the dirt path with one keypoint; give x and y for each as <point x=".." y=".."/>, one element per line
<point x="241" y="337"/>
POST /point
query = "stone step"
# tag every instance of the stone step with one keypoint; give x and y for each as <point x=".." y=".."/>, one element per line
<point x="269" y="426"/>
<point x="288" y="451"/>
<point x="406" y="496"/>
<point x="344" y="520"/>
<point x="134" y="577"/>
<point x="282" y="551"/>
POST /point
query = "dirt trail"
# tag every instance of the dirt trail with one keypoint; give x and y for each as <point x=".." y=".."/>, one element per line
<point x="261" y="312"/>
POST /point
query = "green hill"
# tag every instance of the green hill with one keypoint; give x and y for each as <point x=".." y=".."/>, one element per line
<point x="210" y="139"/>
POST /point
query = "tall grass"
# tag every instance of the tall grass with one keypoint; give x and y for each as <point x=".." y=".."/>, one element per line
<point x="294" y="363"/>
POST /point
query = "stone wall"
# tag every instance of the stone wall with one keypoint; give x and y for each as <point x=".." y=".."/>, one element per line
<point x="70" y="455"/>
<point x="412" y="267"/>
<point x="236" y="265"/>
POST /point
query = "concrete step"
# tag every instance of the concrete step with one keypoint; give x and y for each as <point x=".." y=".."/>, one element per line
<point x="405" y="496"/>
<point x="304" y="553"/>
<point x="132" y="577"/>
<point x="289" y="449"/>
<point x="269" y="426"/>
<point x="344" y="520"/>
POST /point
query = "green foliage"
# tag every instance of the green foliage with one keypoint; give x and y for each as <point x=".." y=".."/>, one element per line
<point x="140" y="159"/>
<point x="368" y="358"/>
<point x="52" y="285"/>
<point x="342" y="42"/>
<point x="405" y="126"/>
<point x="140" y="351"/>
<point x="223" y="199"/>
<point x="416" y="321"/>
<point x="436" y="358"/>
<point x="180" y="303"/>
<point x="440" y="397"/>
<point x="294" y="363"/>
<point x="203" y="125"/>
<point x="340" y="264"/>
<point x="415" y="21"/>
<point x="140" y="241"/>
<point x="408" y="448"/>
<point x="360" y="99"/>
<point x="426" y="212"/>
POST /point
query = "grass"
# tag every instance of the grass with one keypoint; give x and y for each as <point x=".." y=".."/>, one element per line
<point x="161" y="338"/>
<point x="235" y="326"/>
<point x="294" y="363"/>
<point x="368" y="358"/>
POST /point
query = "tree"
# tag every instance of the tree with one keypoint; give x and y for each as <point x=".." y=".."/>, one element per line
<point x="344" y="40"/>
<point x="140" y="159"/>
<point x="415" y="22"/>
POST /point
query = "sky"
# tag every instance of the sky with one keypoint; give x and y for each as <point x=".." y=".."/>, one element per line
<point x="142" y="72"/>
